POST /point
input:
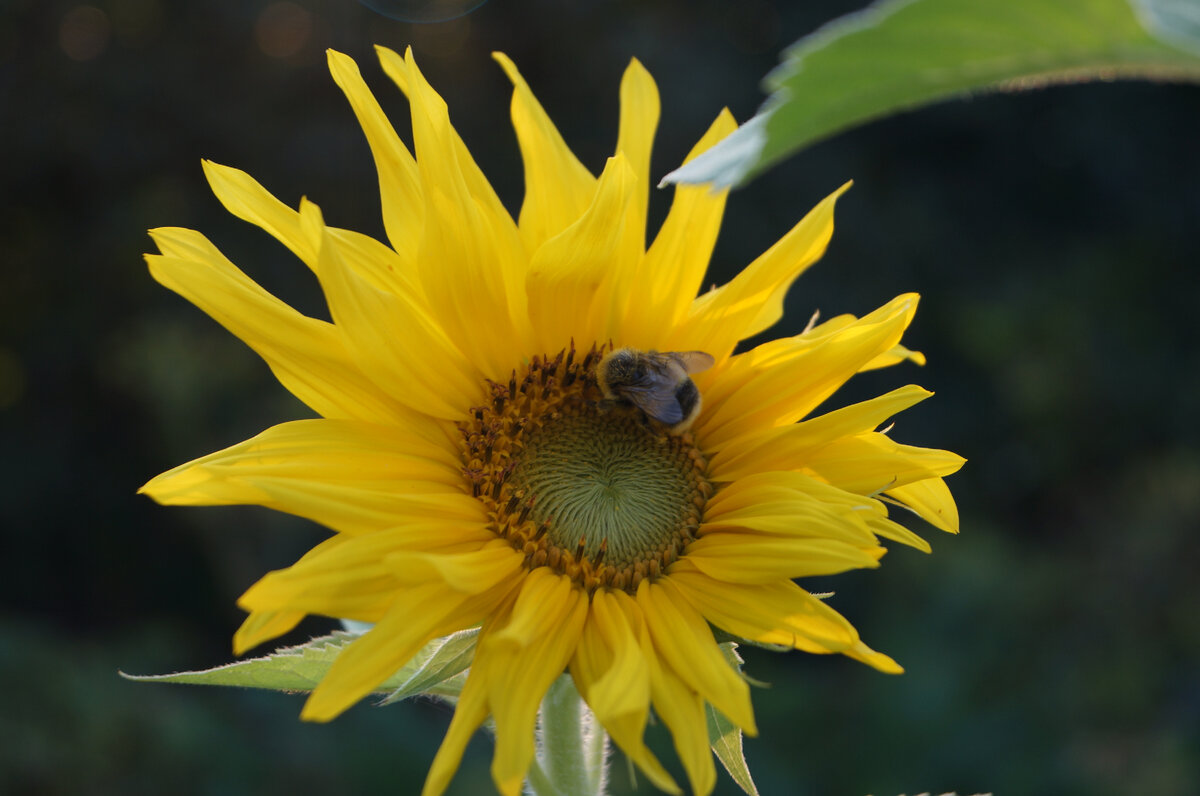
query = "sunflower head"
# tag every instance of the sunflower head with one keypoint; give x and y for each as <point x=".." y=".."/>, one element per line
<point x="539" y="426"/>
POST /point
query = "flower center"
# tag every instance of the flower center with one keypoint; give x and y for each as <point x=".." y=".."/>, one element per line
<point x="580" y="484"/>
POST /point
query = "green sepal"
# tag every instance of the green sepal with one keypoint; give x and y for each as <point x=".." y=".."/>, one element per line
<point x="725" y="737"/>
<point x="902" y="54"/>
<point x="440" y="669"/>
<point x="725" y="637"/>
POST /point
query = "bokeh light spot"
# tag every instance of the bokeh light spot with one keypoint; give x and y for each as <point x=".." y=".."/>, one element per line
<point x="423" y="10"/>
<point x="282" y="29"/>
<point x="84" y="32"/>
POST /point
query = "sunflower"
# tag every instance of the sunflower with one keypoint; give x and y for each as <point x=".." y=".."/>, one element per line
<point x="474" y="472"/>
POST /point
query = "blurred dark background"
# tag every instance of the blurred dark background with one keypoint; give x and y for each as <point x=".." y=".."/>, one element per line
<point x="1051" y="648"/>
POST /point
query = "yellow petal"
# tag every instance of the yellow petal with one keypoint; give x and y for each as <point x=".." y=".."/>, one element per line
<point x="524" y="658"/>
<point x="777" y="384"/>
<point x="673" y="269"/>
<point x="895" y="356"/>
<point x="471" y="257"/>
<point x="366" y="510"/>
<point x="262" y="626"/>
<point x="747" y="558"/>
<point x="351" y="476"/>
<point x="545" y="587"/>
<point x="268" y="623"/>
<point x="682" y="710"/>
<point x="468" y="572"/>
<point x="639" y="120"/>
<point x="399" y="345"/>
<point x="611" y="673"/>
<point x="426" y="613"/>
<point x="399" y="189"/>
<point x="786" y="351"/>
<point x="793" y="505"/>
<point x="346" y="452"/>
<point x="473" y="705"/>
<point x="245" y="198"/>
<point x="354" y="577"/>
<point x="403" y="71"/>
<point x="753" y="300"/>
<point x="873" y="462"/>
<point x="762" y="503"/>
<point x="784" y="447"/>
<point x="861" y="652"/>
<point x="265" y="624"/>
<point x="308" y="356"/>
<point x="469" y="712"/>
<point x="888" y="529"/>
<point x="775" y="613"/>
<point x="357" y="595"/>
<point x="623" y="686"/>
<point x="794" y="517"/>
<point x="573" y="278"/>
<point x="932" y="500"/>
<point x="684" y="641"/>
<point x="746" y="494"/>
<point x="558" y="189"/>
<point x="772" y="613"/>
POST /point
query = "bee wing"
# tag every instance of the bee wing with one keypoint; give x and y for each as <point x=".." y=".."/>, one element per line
<point x="656" y="398"/>
<point x="693" y="361"/>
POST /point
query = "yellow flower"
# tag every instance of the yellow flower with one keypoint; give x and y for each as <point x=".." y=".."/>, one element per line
<point x="473" y="473"/>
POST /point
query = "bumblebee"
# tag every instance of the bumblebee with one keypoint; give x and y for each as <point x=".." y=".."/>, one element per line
<point x="656" y="382"/>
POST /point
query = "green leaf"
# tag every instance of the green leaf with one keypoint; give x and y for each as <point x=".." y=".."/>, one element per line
<point x="902" y="54"/>
<point x="726" y="738"/>
<point x="1176" y="21"/>
<point x="726" y="741"/>
<point x="438" y="669"/>
<point x="297" y="668"/>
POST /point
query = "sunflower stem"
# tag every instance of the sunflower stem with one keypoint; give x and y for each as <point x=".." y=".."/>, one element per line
<point x="572" y="747"/>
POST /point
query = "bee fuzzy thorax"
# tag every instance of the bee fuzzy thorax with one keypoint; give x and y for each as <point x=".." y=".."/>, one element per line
<point x="657" y="383"/>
